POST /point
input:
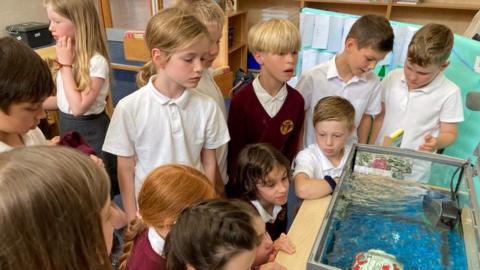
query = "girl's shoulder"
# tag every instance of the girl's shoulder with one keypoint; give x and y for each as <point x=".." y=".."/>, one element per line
<point x="138" y="98"/>
<point x="98" y="58"/>
<point x="201" y="98"/>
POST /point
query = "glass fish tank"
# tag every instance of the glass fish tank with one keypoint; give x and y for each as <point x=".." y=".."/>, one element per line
<point x="400" y="209"/>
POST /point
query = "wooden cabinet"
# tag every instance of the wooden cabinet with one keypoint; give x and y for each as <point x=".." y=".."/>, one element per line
<point x="457" y="14"/>
<point x="234" y="53"/>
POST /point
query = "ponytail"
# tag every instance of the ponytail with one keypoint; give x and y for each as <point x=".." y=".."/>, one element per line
<point x="135" y="228"/>
<point x="146" y="71"/>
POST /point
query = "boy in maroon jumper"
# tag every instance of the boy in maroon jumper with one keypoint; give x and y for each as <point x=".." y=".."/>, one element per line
<point x="268" y="110"/>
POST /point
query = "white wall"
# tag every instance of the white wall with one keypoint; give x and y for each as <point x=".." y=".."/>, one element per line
<point x="19" y="11"/>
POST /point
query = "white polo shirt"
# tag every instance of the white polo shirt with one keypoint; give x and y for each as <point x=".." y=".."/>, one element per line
<point x="266" y="217"/>
<point x="323" y="80"/>
<point x="159" y="130"/>
<point x="156" y="241"/>
<point x="271" y="105"/>
<point x="207" y="86"/>
<point x="418" y="112"/>
<point x="312" y="162"/>
<point x="31" y="138"/>
<point x="99" y="68"/>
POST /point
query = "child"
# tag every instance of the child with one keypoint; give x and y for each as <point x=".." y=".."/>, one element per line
<point x="434" y="102"/>
<point x="222" y="237"/>
<point x="262" y="179"/>
<point x="268" y="110"/>
<point x="83" y="77"/>
<point x="165" y="193"/>
<point x="161" y="122"/>
<point x="316" y="165"/>
<point x="349" y="74"/>
<point x="55" y="210"/>
<point x="267" y="249"/>
<point x="212" y="15"/>
<point x="23" y="88"/>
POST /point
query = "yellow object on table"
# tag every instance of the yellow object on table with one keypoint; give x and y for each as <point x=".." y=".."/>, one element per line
<point x="303" y="233"/>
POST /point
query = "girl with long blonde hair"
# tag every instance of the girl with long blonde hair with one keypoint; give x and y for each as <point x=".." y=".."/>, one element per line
<point x="54" y="210"/>
<point x="165" y="193"/>
<point x="162" y="122"/>
<point x="83" y="77"/>
<point x="213" y="17"/>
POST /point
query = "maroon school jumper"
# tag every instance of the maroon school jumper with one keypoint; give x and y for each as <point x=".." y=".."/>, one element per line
<point x="249" y="123"/>
<point x="143" y="257"/>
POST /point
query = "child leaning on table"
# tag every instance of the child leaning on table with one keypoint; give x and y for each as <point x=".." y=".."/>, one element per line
<point x="320" y="162"/>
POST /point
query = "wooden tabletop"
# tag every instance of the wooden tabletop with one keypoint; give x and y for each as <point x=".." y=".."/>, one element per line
<point x="303" y="232"/>
<point x="47" y="52"/>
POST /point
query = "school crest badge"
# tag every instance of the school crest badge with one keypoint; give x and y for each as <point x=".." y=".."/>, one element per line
<point x="286" y="127"/>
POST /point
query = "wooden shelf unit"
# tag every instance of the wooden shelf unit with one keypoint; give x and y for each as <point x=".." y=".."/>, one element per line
<point x="234" y="56"/>
<point x="457" y="14"/>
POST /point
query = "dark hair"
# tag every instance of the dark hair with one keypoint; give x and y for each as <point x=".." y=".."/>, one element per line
<point x="208" y="234"/>
<point x="372" y="31"/>
<point x="431" y="44"/>
<point x="24" y="76"/>
<point x="255" y="162"/>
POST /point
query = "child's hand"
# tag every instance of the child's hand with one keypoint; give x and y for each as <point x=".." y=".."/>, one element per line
<point x="98" y="161"/>
<point x="271" y="266"/>
<point x="118" y="218"/>
<point x="65" y="51"/>
<point x="430" y="144"/>
<point x="54" y="141"/>
<point x="284" y="244"/>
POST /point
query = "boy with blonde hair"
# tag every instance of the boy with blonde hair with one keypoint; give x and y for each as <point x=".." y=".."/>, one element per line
<point x="267" y="110"/>
<point x="349" y="75"/>
<point x="318" y="163"/>
<point x="420" y="99"/>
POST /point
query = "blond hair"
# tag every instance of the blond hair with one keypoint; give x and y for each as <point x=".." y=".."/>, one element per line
<point x="207" y="11"/>
<point x="334" y="108"/>
<point x="170" y="30"/>
<point x="166" y="191"/>
<point x="51" y="201"/>
<point x="89" y="36"/>
<point x="431" y="44"/>
<point x="277" y="36"/>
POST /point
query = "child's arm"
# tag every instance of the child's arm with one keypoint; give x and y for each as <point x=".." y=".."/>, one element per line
<point x="446" y="136"/>
<point x="50" y="104"/>
<point x="364" y="128"/>
<point x="79" y="101"/>
<point x="209" y="162"/>
<point x="126" y="180"/>
<point x="377" y="125"/>
<point x="310" y="188"/>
